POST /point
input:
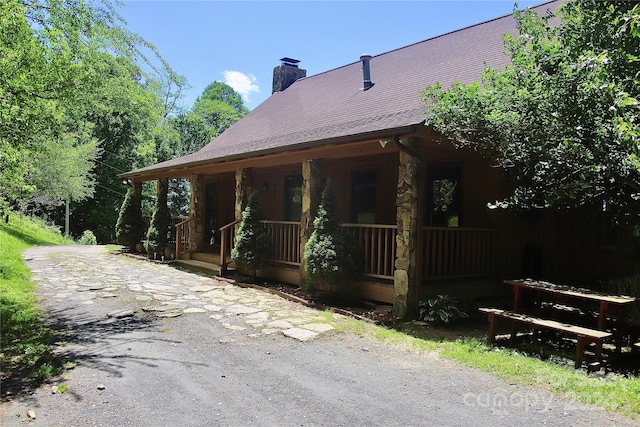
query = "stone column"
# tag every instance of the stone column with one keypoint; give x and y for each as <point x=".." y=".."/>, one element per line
<point x="404" y="277"/>
<point x="312" y="180"/>
<point x="196" y="207"/>
<point x="244" y="187"/>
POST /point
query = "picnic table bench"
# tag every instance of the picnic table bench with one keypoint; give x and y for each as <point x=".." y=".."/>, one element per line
<point x="585" y="336"/>
<point x="553" y="303"/>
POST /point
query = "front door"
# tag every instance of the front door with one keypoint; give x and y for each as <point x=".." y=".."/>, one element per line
<point x="210" y="217"/>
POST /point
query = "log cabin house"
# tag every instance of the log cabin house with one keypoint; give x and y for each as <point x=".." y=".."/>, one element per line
<point x="419" y="208"/>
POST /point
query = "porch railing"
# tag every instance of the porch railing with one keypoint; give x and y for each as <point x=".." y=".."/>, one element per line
<point x="458" y="252"/>
<point x="227" y="241"/>
<point x="175" y="220"/>
<point x="446" y="252"/>
<point x="183" y="237"/>
<point x="285" y="238"/>
<point x="379" y="244"/>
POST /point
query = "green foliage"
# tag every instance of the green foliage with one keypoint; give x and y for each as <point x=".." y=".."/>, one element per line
<point x="441" y="309"/>
<point x="182" y="134"/>
<point x="129" y="227"/>
<point x="252" y="250"/>
<point x="79" y="100"/>
<point x="124" y="120"/>
<point x="220" y="106"/>
<point x="193" y="132"/>
<point x="157" y="233"/>
<point x="562" y="117"/>
<point x="24" y="341"/>
<point x="330" y="261"/>
<point x="42" y="83"/>
<point x="87" y="238"/>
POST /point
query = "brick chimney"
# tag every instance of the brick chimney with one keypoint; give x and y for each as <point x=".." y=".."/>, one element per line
<point x="285" y="74"/>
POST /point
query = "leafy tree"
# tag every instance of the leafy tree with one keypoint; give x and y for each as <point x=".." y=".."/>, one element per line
<point x="193" y="132"/>
<point x="75" y="82"/>
<point x="330" y="261"/>
<point x="157" y="233"/>
<point x="252" y="251"/>
<point x="220" y="106"/>
<point x="42" y="77"/>
<point x="562" y="118"/>
<point x="123" y="116"/>
<point x="129" y="226"/>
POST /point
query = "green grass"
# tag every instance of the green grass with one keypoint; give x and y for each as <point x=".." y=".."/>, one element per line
<point x="24" y="341"/>
<point x="611" y="392"/>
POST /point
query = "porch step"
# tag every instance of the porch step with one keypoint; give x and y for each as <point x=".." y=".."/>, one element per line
<point x="199" y="266"/>
<point x="210" y="257"/>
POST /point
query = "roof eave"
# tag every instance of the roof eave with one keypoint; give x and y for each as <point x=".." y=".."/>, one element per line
<point x="174" y="171"/>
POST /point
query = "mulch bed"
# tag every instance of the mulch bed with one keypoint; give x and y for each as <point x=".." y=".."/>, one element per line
<point x="365" y="310"/>
<point x="378" y="313"/>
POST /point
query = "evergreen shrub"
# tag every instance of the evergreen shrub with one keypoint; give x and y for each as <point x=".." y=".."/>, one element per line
<point x="129" y="228"/>
<point x="331" y="261"/>
<point x="157" y="233"/>
<point x="252" y="250"/>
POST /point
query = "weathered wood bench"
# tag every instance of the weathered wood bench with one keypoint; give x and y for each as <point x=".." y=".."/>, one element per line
<point x="585" y="335"/>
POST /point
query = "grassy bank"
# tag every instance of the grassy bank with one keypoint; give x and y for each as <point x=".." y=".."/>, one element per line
<point x="24" y="340"/>
<point x="611" y="392"/>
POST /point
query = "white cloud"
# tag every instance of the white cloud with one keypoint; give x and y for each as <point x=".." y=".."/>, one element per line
<point x="242" y="83"/>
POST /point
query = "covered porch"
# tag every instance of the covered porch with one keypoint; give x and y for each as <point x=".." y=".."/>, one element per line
<point x="384" y="201"/>
<point x="449" y="257"/>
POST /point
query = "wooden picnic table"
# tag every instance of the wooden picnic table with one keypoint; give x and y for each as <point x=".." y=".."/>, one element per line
<point x="547" y="296"/>
<point x="606" y="302"/>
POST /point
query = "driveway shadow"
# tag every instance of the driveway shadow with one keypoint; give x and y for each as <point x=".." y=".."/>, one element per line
<point x="99" y="343"/>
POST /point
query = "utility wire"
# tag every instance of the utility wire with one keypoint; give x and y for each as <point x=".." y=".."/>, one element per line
<point x="109" y="189"/>
<point x="109" y="166"/>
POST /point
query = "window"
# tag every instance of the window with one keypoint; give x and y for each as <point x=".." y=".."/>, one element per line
<point x="445" y="202"/>
<point x="363" y="196"/>
<point x="292" y="197"/>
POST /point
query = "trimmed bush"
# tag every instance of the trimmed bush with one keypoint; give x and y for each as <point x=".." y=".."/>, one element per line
<point x="129" y="228"/>
<point x="330" y="262"/>
<point x="252" y="251"/>
<point x="157" y="233"/>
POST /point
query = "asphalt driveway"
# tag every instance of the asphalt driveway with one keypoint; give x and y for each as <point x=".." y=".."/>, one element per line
<point x="152" y="345"/>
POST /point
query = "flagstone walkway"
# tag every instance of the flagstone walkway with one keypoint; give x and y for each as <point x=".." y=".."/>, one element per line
<point x="88" y="274"/>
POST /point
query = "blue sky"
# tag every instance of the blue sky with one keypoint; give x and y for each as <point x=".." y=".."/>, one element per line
<point x="240" y="42"/>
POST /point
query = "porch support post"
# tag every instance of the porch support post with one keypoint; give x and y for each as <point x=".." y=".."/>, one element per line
<point x="196" y="207"/>
<point x="137" y="192"/>
<point x="404" y="277"/>
<point x="244" y="187"/>
<point x="312" y="173"/>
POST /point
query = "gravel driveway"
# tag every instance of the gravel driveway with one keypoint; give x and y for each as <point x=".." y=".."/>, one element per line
<point x="156" y="346"/>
